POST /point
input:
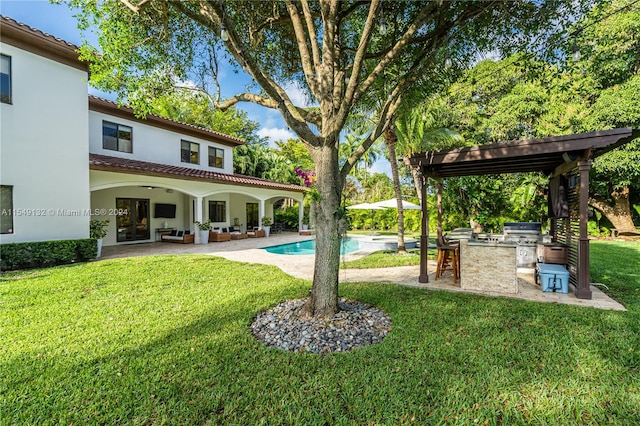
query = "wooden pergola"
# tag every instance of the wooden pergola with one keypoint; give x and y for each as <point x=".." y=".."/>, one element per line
<point x="571" y="156"/>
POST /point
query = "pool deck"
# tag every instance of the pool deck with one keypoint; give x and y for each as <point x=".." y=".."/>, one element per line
<point x="302" y="266"/>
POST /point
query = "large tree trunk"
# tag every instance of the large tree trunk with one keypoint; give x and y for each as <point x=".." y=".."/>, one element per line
<point x="619" y="214"/>
<point x="324" y="293"/>
<point x="391" y="139"/>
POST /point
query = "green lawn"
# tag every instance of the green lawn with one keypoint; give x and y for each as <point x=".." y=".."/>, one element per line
<point x="165" y="340"/>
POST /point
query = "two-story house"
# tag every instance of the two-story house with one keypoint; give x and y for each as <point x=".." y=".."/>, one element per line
<point x="66" y="159"/>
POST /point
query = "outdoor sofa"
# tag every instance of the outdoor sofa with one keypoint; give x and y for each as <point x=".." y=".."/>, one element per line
<point x="182" y="237"/>
<point x="218" y="235"/>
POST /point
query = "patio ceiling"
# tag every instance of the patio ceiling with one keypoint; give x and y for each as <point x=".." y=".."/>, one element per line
<point x="547" y="155"/>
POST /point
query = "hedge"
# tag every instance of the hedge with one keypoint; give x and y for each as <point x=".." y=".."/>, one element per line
<point x="41" y="254"/>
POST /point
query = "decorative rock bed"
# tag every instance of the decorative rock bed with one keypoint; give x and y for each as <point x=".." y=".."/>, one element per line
<point x="356" y="325"/>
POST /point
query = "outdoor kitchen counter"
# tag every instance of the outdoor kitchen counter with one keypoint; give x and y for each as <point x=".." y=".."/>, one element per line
<point x="488" y="266"/>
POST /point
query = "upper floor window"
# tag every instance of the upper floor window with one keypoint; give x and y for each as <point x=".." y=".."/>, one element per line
<point x="6" y="201"/>
<point x="216" y="157"/>
<point x="5" y="79"/>
<point x="117" y="137"/>
<point x="190" y="152"/>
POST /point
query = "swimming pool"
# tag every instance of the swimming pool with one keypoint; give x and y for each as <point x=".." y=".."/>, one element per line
<point x="349" y="245"/>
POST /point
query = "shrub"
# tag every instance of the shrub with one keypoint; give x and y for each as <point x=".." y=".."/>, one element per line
<point x="40" y="254"/>
<point x="289" y="216"/>
<point x="98" y="228"/>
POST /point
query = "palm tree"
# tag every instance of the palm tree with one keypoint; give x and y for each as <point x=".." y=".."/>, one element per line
<point x="425" y="128"/>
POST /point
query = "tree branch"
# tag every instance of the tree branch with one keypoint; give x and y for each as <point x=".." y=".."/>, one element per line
<point x="133" y="8"/>
<point x="246" y="97"/>
<point x="212" y="16"/>
<point x="305" y="55"/>
<point x="308" y="16"/>
<point x="391" y="55"/>
<point x="359" y="57"/>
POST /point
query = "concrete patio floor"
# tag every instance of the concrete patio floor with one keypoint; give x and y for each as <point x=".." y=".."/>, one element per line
<point x="251" y="250"/>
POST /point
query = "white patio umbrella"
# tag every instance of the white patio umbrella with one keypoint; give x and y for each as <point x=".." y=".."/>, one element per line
<point x="393" y="204"/>
<point x="367" y="206"/>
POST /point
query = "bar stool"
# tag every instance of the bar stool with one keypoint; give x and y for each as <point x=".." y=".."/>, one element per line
<point x="448" y="258"/>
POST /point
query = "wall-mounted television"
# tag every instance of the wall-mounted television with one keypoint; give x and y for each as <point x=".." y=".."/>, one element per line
<point x="165" y="210"/>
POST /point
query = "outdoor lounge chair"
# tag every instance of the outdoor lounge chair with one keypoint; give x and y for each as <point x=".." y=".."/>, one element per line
<point x="256" y="233"/>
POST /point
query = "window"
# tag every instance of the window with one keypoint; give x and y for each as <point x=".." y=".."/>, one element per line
<point x="216" y="157"/>
<point x="217" y="211"/>
<point x="5" y="79"/>
<point x="6" y="201"/>
<point x="190" y="152"/>
<point x="117" y="137"/>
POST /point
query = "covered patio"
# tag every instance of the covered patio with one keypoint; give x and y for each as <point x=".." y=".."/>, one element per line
<point x="138" y="188"/>
<point x="569" y="157"/>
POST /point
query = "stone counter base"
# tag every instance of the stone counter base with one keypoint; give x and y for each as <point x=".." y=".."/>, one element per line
<point x="488" y="267"/>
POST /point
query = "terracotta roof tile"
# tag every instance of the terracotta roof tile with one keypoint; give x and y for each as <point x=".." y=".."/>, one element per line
<point x="35" y="41"/>
<point x="5" y="20"/>
<point x="110" y="107"/>
<point x="125" y="165"/>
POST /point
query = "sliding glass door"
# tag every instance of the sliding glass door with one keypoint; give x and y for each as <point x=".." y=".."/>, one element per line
<point x="134" y="224"/>
<point x="253" y="213"/>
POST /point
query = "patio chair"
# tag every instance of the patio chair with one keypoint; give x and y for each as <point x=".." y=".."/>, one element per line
<point x="448" y="258"/>
<point x="256" y="233"/>
<point x="277" y="228"/>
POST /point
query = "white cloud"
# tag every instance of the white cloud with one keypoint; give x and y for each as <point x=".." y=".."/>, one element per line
<point x="297" y="94"/>
<point x="276" y="134"/>
<point x="381" y="166"/>
<point x="273" y="119"/>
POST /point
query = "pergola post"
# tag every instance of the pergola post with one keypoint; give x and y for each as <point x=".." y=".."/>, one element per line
<point x="424" y="236"/>
<point x="439" y="201"/>
<point x="583" y="291"/>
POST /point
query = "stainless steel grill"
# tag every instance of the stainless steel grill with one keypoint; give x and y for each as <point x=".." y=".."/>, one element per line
<point x="527" y="236"/>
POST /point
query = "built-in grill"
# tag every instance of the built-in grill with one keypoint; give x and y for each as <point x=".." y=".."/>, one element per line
<point x="527" y="236"/>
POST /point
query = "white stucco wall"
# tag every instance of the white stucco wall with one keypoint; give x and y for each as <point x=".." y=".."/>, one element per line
<point x="44" y="150"/>
<point x="154" y="144"/>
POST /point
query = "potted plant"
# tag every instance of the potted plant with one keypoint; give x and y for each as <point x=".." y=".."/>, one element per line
<point x="97" y="231"/>
<point x="266" y="225"/>
<point x="204" y="227"/>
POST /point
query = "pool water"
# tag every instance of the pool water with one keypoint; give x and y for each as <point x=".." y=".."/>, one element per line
<point x="348" y="245"/>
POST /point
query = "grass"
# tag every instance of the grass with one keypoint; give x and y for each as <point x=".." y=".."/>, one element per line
<point x="386" y="259"/>
<point x="165" y="340"/>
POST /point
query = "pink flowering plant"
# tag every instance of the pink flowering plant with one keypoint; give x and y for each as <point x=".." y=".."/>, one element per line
<point x="309" y="178"/>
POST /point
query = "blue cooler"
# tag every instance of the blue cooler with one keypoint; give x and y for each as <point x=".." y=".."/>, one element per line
<point x="553" y="278"/>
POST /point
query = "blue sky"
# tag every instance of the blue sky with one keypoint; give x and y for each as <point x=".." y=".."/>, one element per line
<point x="58" y="21"/>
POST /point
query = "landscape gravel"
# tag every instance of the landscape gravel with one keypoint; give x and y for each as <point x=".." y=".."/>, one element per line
<point x="286" y="327"/>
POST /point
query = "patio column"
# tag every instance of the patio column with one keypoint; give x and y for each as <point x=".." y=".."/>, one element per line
<point x="301" y="216"/>
<point x="583" y="291"/>
<point x="198" y="214"/>
<point x="260" y="212"/>
<point x="424" y="236"/>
